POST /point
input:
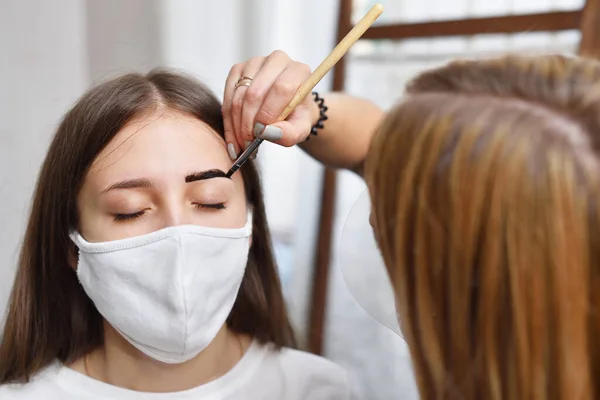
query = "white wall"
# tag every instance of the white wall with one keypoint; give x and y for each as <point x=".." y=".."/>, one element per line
<point x="203" y="37"/>
<point x="43" y="69"/>
<point x="122" y="36"/>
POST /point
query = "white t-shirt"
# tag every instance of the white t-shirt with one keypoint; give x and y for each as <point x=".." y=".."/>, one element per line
<point x="262" y="373"/>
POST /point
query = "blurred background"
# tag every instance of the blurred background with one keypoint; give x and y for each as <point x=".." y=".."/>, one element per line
<point x="52" y="51"/>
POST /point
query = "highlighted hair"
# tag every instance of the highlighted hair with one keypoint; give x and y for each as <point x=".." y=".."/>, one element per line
<point x="485" y="183"/>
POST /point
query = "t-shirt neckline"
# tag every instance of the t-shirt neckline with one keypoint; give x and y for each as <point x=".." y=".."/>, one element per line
<point x="80" y="384"/>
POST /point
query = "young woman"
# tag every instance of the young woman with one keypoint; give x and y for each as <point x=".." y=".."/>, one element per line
<point x="489" y="226"/>
<point x="145" y="272"/>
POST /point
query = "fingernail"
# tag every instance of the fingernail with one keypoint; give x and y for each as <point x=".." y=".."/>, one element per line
<point x="231" y="151"/>
<point x="253" y="156"/>
<point x="272" y="133"/>
<point x="258" y="129"/>
<point x="246" y="144"/>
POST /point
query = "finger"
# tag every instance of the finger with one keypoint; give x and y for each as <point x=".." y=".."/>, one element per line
<point x="272" y="68"/>
<point x="282" y="92"/>
<point x="292" y="131"/>
<point x="235" y="73"/>
<point x="251" y="69"/>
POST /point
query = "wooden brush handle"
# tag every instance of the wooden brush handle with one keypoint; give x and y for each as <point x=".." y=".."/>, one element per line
<point x="338" y="52"/>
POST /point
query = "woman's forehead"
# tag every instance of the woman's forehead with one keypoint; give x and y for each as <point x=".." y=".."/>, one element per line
<point x="160" y="143"/>
<point x="161" y="135"/>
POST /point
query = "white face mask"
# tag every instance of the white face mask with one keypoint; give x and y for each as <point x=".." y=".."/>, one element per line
<point x="168" y="292"/>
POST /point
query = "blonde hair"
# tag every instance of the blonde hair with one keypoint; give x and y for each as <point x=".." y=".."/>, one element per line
<point x="485" y="183"/>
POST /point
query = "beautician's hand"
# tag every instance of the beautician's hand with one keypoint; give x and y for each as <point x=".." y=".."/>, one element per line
<point x="258" y="102"/>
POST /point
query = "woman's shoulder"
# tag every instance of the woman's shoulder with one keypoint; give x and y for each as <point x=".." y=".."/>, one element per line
<point x="310" y="363"/>
<point x="306" y="370"/>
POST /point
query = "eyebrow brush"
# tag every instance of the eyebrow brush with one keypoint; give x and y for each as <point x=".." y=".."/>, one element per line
<point x="336" y="54"/>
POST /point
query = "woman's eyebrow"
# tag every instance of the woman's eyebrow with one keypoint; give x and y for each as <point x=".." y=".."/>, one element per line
<point x="203" y="175"/>
<point x="130" y="184"/>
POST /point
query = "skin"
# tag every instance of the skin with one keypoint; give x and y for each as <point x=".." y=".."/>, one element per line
<point x="162" y="149"/>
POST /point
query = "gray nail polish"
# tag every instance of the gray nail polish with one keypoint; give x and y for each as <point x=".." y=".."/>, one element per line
<point x="272" y="133"/>
<point x="231" y="151"/>
<point x="258" y="129"/>
<point x="246" y="144"/>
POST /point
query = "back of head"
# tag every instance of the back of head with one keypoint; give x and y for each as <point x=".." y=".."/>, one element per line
<point x="485" y="183"/>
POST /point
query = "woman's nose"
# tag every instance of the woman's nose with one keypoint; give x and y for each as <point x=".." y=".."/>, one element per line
<point x="174" y="213"/>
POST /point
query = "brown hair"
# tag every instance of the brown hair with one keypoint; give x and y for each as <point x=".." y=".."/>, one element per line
<point x="485" y="183"/>
<point x="49" y="315"/>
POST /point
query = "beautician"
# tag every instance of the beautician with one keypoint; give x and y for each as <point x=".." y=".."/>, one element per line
<point x="485" y="189"/>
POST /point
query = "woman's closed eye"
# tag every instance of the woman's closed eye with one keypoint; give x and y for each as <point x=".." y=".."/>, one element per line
<point x="124" y="217"/>
<point x="138" y="214"/>
<point x="215" y="206"/>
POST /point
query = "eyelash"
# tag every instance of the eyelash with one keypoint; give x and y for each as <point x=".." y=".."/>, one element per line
<point x="125" y="217"/>
<point x="217" y="206"/>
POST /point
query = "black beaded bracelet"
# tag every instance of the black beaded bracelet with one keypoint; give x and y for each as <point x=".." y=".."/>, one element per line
<point x="322" y="115"/>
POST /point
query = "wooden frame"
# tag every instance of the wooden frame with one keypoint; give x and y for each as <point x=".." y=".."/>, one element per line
<point x="552" y="21"/>
<point x="323" y="248"/>
<point x="587" y="20"/>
